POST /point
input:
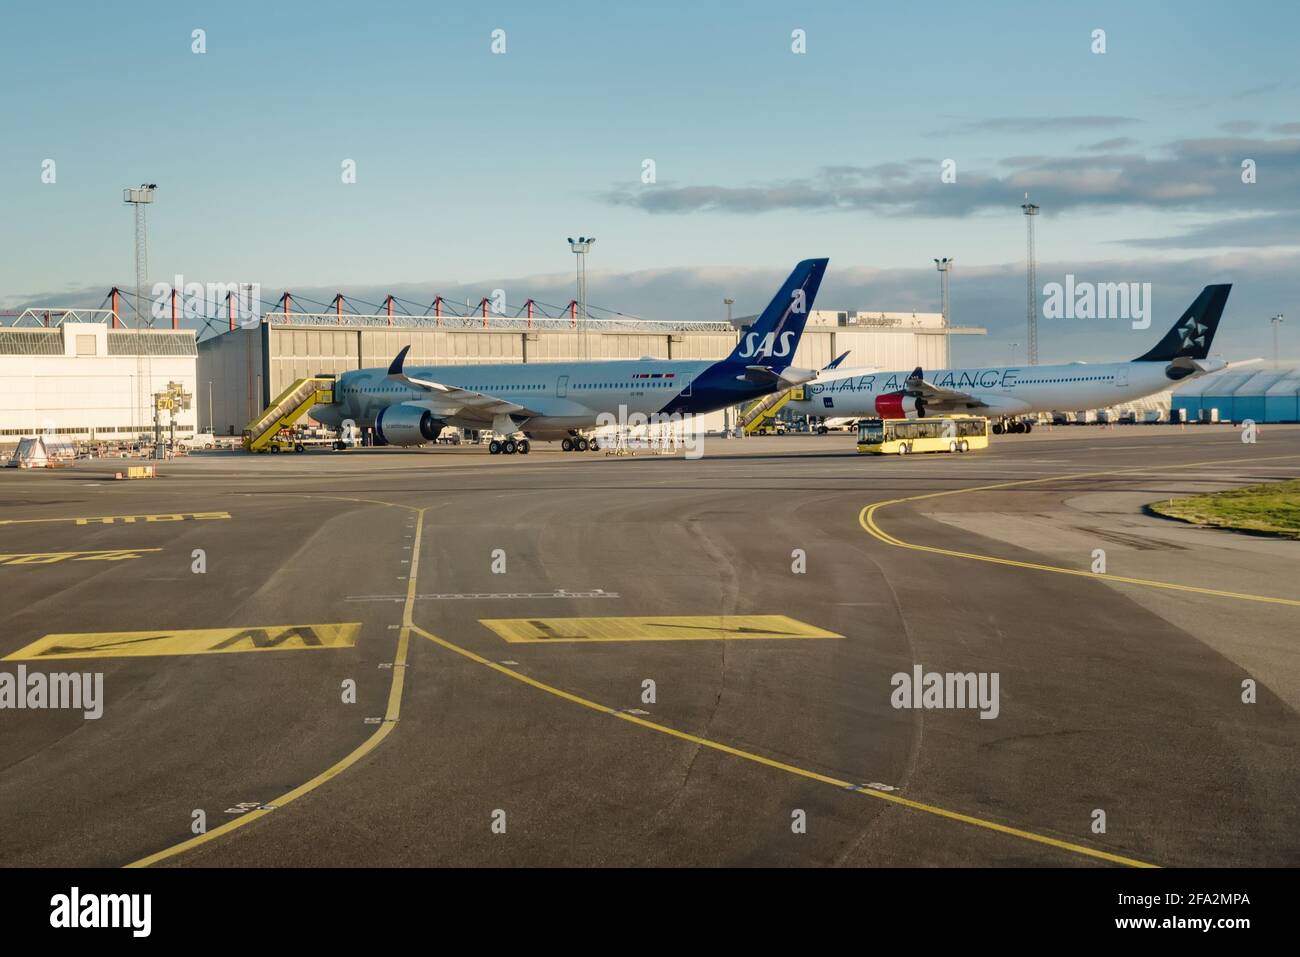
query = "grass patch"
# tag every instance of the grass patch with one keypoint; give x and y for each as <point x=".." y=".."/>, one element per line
<point x="1272" y="509"/>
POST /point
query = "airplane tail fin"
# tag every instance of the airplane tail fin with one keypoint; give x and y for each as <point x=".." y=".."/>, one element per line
<point x="835" y="363"/>
<point x="395" y="367"/>
<point x="774" y="336"/>
<point x="1191" y="335"/>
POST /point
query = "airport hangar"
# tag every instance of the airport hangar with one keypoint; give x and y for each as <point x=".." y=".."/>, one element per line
<point x="247" y="365"/>
<point x="1264" y="395"/>
<point x="79" y="375"/>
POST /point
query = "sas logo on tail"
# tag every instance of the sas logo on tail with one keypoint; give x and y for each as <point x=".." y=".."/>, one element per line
<point x="768" y="345"/>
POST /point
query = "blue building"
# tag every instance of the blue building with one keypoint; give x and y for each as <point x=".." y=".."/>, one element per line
<point x="1263" y="395"/>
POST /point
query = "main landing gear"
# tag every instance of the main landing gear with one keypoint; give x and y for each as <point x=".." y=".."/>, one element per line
<point x="508" y="446"/>
<point x="578" y="443"/>
<point x="1007" y="426"/>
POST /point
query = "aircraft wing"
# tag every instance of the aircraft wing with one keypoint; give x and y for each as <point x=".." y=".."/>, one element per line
<point x="938" y="399"/>
<point x="787" y="378"/>
<point x="451" y="400"/>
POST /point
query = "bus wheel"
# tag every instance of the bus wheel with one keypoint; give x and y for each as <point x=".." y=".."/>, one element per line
<point x="904" y="449"/>
<point x="965" y="446"/>
<point x="952" y="446"/>
<point x="494" y="447"/>
<point x="567" y="445"/>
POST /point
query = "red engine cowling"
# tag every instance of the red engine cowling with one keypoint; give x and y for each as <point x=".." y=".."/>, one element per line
<point x="896" y="405"/>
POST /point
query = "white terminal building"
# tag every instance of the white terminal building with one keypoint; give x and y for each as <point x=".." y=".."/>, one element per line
<point x="80" y="379"/>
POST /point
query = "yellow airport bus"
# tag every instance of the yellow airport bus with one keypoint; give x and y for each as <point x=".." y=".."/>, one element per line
<point x="952" y="433"/>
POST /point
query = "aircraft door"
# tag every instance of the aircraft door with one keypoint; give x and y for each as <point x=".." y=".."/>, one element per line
<point x="1121" y="376"/>
<point x="562" y="387"/>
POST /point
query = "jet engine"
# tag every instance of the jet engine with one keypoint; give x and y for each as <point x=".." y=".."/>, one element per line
<point x="407" y="424"/>
<point x="897" y="405"/>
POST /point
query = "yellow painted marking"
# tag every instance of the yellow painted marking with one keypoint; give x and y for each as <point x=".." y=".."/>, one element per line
<point x="781" y="765"/>
<point x="866" y="518"/>
<point x="197" y="641"/>
<point x="51" y="558"/>
<point x="121" y="519"/>
<point x="653" y="628"/>
<point x="381" y="732"/>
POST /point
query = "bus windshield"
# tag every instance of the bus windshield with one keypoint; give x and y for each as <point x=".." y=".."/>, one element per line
<point x="871" y="431"/>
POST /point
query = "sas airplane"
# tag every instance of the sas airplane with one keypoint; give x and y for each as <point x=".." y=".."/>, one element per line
<point x="564" y="400"/>
<point x="1004" y="393"/>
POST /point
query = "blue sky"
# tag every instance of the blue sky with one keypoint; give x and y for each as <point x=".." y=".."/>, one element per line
<point x="473" y="167"/>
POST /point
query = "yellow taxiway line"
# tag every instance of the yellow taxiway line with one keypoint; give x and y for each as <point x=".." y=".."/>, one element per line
<point x="161" y="519"/>
<point x="780" y="765"/>
<point x="372" y="742"/>
<point x="867" y="519"/>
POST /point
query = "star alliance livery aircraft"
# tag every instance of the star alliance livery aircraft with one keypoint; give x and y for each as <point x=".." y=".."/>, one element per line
<point x="1003" y="393"/>
<point x="563" y="400"/>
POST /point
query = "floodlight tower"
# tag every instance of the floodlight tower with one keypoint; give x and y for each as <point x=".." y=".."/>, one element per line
<point x="580" y="247"/>
<point x="140" y="197"/>
<point x="944" y="266"/>
<point x="1031" y="211"/>
<point x="1277" y="322"/>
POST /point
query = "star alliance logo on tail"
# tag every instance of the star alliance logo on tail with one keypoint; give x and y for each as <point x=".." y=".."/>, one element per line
<point x="1192" y="332"/>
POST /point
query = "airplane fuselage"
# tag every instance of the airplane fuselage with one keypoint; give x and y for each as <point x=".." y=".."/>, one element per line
<point x="565" y="396"/>
<point x="1002" y="390"/>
